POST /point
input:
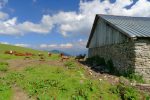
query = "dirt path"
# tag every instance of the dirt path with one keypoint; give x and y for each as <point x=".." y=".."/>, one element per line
<point x="19" y="94"/>
<point x="100" y="76"/>
<point x="20" y="64"/>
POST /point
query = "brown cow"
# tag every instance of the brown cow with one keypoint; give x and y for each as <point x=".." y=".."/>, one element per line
<point x="28" y="54"/>
<point x="9" y="52"/>
<point x="19" y="54"/>
<point x="63" y="57"/>
<point x="49" y="54"/>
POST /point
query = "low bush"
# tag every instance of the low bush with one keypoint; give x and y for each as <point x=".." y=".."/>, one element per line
<point x="132" y="76"/>
<point x="126" y="92"/>
<point x="136" y="77"/>
<point x="111" y="67"/>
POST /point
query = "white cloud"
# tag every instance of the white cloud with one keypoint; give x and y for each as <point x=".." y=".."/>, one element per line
<point x="3" y="16"/>
<point x="17" y="44"/>
<point x="52" y="46"/>
<point x="56" y="46"/>
<point x="74" y="47"/>
<point x="22" y="45"/>
<point x="4" y="42"/>
<point x="68" y="45"/>
<point x="74" y="22"/>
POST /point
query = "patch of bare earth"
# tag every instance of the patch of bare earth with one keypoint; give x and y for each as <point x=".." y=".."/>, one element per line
<point x="20" y="64"/>
<point x="19" y="94"/>
<point x="100" y="76"/>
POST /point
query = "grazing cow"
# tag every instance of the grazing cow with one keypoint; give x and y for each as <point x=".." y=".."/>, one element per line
<point x="63" y="57"/>
<point x="28" y="54"/>
<point x="9" y="52"/>
<point x="19" y="54"/>
<point x="49" y="54"/>
<point x="80" y="57"/>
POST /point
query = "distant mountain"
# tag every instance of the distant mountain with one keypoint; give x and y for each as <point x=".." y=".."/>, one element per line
<point x="58" y="51"/>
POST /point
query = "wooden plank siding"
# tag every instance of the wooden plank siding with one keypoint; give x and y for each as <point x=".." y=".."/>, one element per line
<point x="104" y="34"/>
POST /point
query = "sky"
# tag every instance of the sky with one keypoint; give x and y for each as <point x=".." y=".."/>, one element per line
<point x="59" y="24"/>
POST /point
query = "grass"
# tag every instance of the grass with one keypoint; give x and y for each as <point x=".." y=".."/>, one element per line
<point x="5" y="90"/>
<point x="3" y="66"/>
<point x="67" y="82"/>
<point x="5" y="47"/>
<point x="55" y="82"/>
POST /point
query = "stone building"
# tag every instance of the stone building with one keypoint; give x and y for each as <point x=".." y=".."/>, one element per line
<point x="123" y="39"/>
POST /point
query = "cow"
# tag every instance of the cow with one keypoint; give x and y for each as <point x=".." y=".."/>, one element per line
<point x="28" y="54"/>
<point x="63" y="57"/>
<point x="19" y="54"/>
<point x="49" y="54"/>
<point x="9" y="52"/>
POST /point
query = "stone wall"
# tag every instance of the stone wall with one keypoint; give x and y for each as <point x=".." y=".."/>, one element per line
<point x="134" y="54"/>
<point x="142" y="57"/>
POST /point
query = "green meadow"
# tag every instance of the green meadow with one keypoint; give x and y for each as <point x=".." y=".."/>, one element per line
<point x="57" y="80"/>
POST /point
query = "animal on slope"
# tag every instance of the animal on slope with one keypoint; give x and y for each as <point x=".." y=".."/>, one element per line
<point x="49" y="54"/>
<point x="10" y="52"/>
<point x="63" y="57"/>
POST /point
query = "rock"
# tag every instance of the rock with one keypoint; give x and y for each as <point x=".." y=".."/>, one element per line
<point x="124" y="81"/>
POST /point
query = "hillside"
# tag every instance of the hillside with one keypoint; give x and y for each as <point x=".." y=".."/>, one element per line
<point x="50" y="78"/>
<point x="5" y="47"/>
<point x="58" y="52"/>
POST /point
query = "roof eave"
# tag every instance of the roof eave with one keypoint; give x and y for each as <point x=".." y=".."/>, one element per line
<point x="92" y="30"/>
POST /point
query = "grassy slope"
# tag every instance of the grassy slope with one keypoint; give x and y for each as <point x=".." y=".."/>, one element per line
<point x="47" y="82"/>
<point x="4" y="47"/>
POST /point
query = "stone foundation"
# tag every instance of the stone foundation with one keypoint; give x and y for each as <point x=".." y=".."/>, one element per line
<point x="132" y="54"/>
<point x="142" y="57"/>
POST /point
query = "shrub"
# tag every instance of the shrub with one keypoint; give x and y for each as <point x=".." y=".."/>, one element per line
<point x="3" y="66"/>
<point x="136" y="77"/>
<point x="126" y="92"/>
<point x="147" y="97"/>
<point x="96" y="60"/>
<point x="130" y="70"/>
<point x="111" y="67"/>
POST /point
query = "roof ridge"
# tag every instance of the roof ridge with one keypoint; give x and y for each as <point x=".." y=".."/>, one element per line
<point x="122" y="16"/>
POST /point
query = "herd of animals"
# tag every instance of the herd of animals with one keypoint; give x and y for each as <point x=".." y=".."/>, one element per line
<point x="28" y="55"/>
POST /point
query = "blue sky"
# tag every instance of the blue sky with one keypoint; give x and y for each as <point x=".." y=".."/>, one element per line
<point x="59" y="24"/>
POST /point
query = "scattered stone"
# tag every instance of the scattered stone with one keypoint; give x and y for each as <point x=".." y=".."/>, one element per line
<point x="100" y="79"/>
<point x="124" y="81"/>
